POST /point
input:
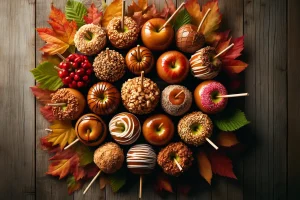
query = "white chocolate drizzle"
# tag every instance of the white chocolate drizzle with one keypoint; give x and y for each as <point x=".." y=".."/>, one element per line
<point x="141" y="156"/>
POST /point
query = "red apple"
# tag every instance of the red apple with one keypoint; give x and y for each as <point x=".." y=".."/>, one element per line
<point x="158" y="129"/>
<point x="172" y="67"/>
<point x="154" y="38"/>
<point x="206" y="97"/>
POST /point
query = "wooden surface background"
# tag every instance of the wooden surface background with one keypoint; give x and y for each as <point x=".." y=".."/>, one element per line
<point x="269" y="171"/>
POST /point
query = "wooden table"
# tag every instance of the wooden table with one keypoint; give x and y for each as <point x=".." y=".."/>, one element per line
<point x="269" y="171"/>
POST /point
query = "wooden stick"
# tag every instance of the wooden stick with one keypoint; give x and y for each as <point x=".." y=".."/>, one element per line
<point x="178" y="165"/>
<point x="61" y="57"/>
<point x="74" y="142"/>
<point x="86" y="35"/>
<point x="172" y="16"/>
<point x="203" y="19"/>
<point x="48" y="129"/>
<point x="177" y="95"/>
<point x="161" y="124"/>
<point x="123" y="13"/>
<point x="142" y="79"/>
<point x="138" y="53"/>
<point x="107" y="54"/>
<point x="87" y="188"/>
<point x="57" y="68"/>
<point x="56" y="104"/>
<point x="224" y="50"/>
<point x="233" y="95"/>
<point x="141" y="187"/>
<point x="212" y="144"/>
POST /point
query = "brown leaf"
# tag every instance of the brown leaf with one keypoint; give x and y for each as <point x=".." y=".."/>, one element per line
<point x="227" y="139"/>
<point x="163" y="183"/>
<point x="113" y="10"/>
<point x="103" y="181"/>
<point x="204" y="166"/>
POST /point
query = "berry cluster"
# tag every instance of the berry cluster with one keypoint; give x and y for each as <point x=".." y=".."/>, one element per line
<point x="76" y="71"/>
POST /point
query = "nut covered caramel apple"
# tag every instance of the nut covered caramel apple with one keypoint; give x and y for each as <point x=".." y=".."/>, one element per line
<point x="125" y="128"/>
<point x="125" y="38"/>
<point x="137" y="99"/>
<point x="207" y="97"/>
<point x="158" y="129"/>
<point x="103" y="98"/>
<point x="141" y="159"/>
<point x="91" y="130"/>
<point x="139" y="59"/>
<point x="70" y="104"/>
<point x="154" y="38"/>
<point x="176" y="100"/>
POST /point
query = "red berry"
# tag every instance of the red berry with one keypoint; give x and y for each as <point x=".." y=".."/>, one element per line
<point x="67" y="80"/>
<point x="78" y="60"/>
<point x="71" y="57"/>
<point x="63" y="65"/>
<point x="60" y="74"/>
<point x="74" y="64"/>
<point x="70" y="85"/>
<point x="74" y="84"/>
<point x="85" y="57"/>
<point x="72" y="74"/>
<point x="76" y="77"/>
<point x="86" y="65"/>
<point x="65" y="73"/>
<point x="89" y="71"/>
<point x="80" y="84"/>
<point x="85" y="78"/>
<point x="80" y="72"/>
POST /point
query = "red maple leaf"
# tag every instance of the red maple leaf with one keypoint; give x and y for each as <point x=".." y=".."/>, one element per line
<point x="43" y="96"/>
<point x="93" y="15"/>
<point x="73" y="184"/>
<point x="221" y="164"/>
<point x="48" y="146"/>
<point x="47" y="113"/>
<point x="168" y="9"/>
<point x="163" y="183"/>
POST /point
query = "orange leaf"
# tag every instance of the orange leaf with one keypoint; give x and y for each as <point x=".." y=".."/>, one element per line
<point x="163" y="183"/>
<point x="193" y="8"/>
<point x="143" y="4"/>
<point x="93" y="15"/>
<point x="236" y="50"/>
<point x="227" y="139"/>
<point x="204" y="166"/>
<point x="43" y="96"/>
<point x="61" y="36"/>
<point x="133" y="7"/>
<point x="215" y="37"/>
<point x="234" y="66"/>
<point x="113" y="10"/>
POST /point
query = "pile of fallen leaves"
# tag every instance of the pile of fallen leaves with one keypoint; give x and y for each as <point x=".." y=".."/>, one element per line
<point x="76" y="163"/>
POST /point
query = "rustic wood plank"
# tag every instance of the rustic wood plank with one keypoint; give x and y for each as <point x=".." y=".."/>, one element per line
<point x="17" y="105"/>
<point x="265" y="167"/>
<point x="293" y="96"/>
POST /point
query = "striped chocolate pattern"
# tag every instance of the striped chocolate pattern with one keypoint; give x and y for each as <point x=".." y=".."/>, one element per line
<point x="144" y="65"/>
<point x="141" y="156"/>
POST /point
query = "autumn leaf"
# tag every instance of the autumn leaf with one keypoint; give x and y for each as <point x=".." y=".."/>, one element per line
<point x="85" y="154"/>
<point x="215" y="37"/>
<point x="47" y="146"/>
<point x="47" y="113"/>
<point x="62" y="133"/>
<point x="163" y="183"/>
<point x="75" y="10"/>
<point x="73" y="184"/>
<point x="234" y="66"/>
<point x="113" y="10"/>
<point x="221" y="164"/>
<point x="91" y="170"/>
<point x="61" y="36"/>
<point x="231" y="120"/>
<point x="227" y="139"/>
<point x="103" y="181"/>
<point x="117" y="180"/>
<point x="54" y="59"/>
<point x="93" y="15"/>
<point x="184" y="188"/>
<point x="43" y="96"/>
<point x="204" y="166"/>
<point x="168" y="9"/>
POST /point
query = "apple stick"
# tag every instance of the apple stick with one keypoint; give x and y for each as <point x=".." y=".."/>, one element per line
<point x="233" y="95"/>
<point x="178" y="165"/>
<point x="138" y="53"/>
<point x="224" y="50"/>
<point x="61" y="57"/>
<point x="203" y="19"/>
<point x="142" y="79"/>
<point x="212" y="144"/>
<point x="88" y="187"/>
<point x="57" y="68"/>
<point x="172" y="16"/>
<point x="48" y="129"/>
<point x="161" y="124"/>
<point x="177" y="95"/>
<point x="141" y="187"/>
<point x="74" y="142"/>
<point x="56" y="104"/>
<point x="107" y="54"/>
<point x="123" y="13"/>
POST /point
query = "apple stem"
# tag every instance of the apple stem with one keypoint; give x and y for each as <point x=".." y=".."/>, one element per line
<point x="48" y="129"/>
<point x="141" y="187"/>
<point x="71" y="144"/>
<point x="57" y="68"/>
<point x="86" y="35"/>
<point x="123" y="13"/>
<point x="233" y="95"/>
<point x="107" y="54"/>
<point x="178" y="165"/>
<point x="138" y="53"/>
<point x="177" y="95"/>
<point x="88" y="187"/>
<point x="172" y="16"/>
<point x="161" y="124"/>
<point x="203" y="19"/>
<point x="142" y="79"/>
<point x="224" y="50"/>
<point x="212" y="144"/>
<point x="56" y="104"/>
<point x="61" y="57"/>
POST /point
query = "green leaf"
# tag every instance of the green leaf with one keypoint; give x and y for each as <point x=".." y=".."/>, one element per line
<point x="47" y="77"/>
<point x="183" y="17"/>
<point x="85" y="154"/>
<point x="117" y="180"/>
<point x="76" y="11"/>
<point x="73" y="185"/>
<point x="231" y="120"/>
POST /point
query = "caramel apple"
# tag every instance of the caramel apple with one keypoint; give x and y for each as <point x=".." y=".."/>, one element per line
<point x="103" y="98"/>
<point x="139" y="59"/>
<point x="67" y="104"/>
<point x="158" y="129"/>
<point x="176" y="100"/>
<point x="90" y="130"/>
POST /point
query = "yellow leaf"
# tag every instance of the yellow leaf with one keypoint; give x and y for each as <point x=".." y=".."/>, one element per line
<point x="62" y="133"/>
<point x="113" y="10"/>
<point x="204" y="166"/>
<point x="227" y="139"/>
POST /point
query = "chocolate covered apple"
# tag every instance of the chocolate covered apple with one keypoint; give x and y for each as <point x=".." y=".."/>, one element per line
<point x="207" y="97"/>
<point x="158" y="129"/>
<point x="176" y="100"/>
<point x="90" y="130"/>
<point x="103" y="98"/>
<point x="139" y="59"/>
<point x="172" y="67"/>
